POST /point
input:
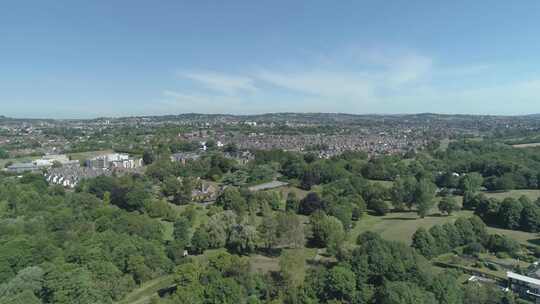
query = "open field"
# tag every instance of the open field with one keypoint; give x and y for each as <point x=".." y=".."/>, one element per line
<point x="532" y="194"/>
<point x="300" y="194"/>
<point x="264" y="264"/>
<point x="399" y="226"/>
<point x="82" y="156"/>
<point x="148" y="290"/>
<point x="386" y="184"/>
<point x="3" y="162"/>
<point x="525" y="238"/>
<point x="443" y="146"/>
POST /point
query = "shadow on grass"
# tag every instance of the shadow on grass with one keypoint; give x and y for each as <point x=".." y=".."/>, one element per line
<point x="270" y="252"/>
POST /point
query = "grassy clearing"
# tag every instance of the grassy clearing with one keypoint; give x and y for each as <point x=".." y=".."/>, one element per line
<point x="471" y="264"/>
<point x="300" y="194"/>
<point x="386" y="184"/>
<point x="264" y="264"/>
<point x="443" y="146"/>
<point x="23" y="159"/>
<point x="525" y="238"/>
<point x="399" y="226"/>
<point x="168" y="229"/>
<point x="147" y="291"/>
<point x="82" y="156"/>
<point x="532" y="194"/>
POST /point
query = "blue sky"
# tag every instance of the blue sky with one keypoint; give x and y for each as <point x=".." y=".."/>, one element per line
<point x="113" y="58"/>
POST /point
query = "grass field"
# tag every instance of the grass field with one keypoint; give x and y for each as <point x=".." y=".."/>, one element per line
<point x="525" y="238"/>
<point x="82" y="156"/>
<point x="386" y="184"/>
<point x="148" y="290"/>
<point x="531" y="194"/>
<point x="3" y="162"/>
<point x="443" y="146"/>
<point x="399" y="226"/>
<point x="264" y="264"/>
<point x="300" y="194"/>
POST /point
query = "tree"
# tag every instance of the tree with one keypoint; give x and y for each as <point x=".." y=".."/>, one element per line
<point x="327" y="231"/>
<point x="340" y="285"/>
<point x="402" y="192"/>
<point x="182" y="231"/>
<point x="200" y="241"/>
<point x="268" y="230"/>
<point x="358" y="207"/>
<point x="292" y="204"/>
<point x="470" y="182"/>
<point x="441" y="238"/>
<point x="242" y="239"/>
<point x="141" y="272"/>
<point x="4" y="154"/>
<point x="290" y="230"/>
<point x="447" y="289"/>
<point x="148" y="157"/>
<point x="292" y="264"/>
<point x="448" y="205"/>
<point x="184" y="194"/>
<point x="424" y="243"/>
<point x="423" y="196"/>
<point x="232" y="199"/>
<point x="405" y="293"/>
<point x="379" y="206"/>
<point x="311" y="203"/>
<point x="530" y="218"/>
<point x="510" y="213"/>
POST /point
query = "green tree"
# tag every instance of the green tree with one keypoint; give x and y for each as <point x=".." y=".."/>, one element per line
<point x="405" y="293"/>
<point x="424" y="243"/>
<point x="242" y="239"/>
<point x="182" y="231"/>
<point x="340" y="285"/>
<point x="510" y="213"/>
<point x="424" y="197"/>
<point x="327" y="231"/>
<point x="471" y="182"/>
<point x="292" y="265"/>
<point x="448" y="205"/>
<point x="292" y="204"/>
<point x="232" y="199"/>
<point x="447" y="289"/>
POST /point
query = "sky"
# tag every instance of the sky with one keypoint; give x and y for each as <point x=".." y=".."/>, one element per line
<point x="83" y="59"/>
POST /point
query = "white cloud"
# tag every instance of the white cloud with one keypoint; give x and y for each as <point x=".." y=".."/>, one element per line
<point x="323" y="83"/>
<point x="223" y="83"/>
<point x="365" y="81"/>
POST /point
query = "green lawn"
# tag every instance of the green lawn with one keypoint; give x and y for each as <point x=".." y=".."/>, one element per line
<point x="525" y="238"/>
<point x="82" y="156"/>
<point x="24" y="159"/>
<point x="386" y="184"/>
<point x="147" y="291"/>
<point x="300" y="194"/>
<point x="532" y="194"/>
<point x="399" y="226"/>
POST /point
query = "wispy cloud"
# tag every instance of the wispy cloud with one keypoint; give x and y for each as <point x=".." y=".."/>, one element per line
<point x="220" y="82"/>
<point x="365" y="81"/>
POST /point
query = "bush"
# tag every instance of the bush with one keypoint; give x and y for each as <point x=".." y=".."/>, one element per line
<point x="380" y="207"/>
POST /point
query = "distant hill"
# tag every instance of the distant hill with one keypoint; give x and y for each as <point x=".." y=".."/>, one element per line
<point x="291" y="117"/>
